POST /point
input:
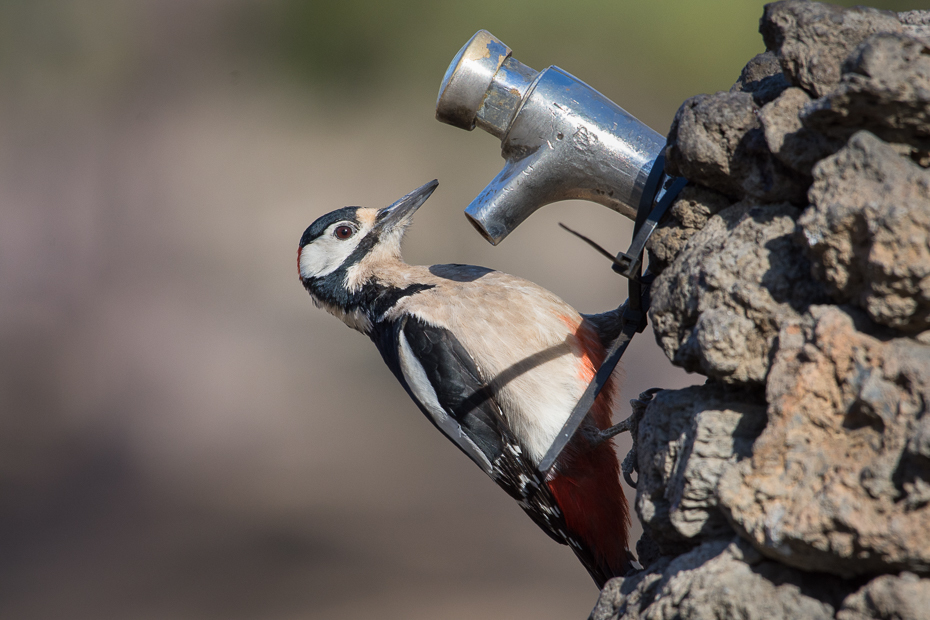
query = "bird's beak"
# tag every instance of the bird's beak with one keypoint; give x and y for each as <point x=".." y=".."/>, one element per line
<point x="400" y="211"/>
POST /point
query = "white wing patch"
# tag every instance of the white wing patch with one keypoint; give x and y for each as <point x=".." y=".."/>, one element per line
<point x="426" y="396"/>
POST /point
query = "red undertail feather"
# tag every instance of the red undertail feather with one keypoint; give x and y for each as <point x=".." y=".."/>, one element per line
<point x="587" y="480"/>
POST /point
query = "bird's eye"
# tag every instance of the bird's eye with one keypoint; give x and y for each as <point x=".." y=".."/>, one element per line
<point x="344" y="232"/>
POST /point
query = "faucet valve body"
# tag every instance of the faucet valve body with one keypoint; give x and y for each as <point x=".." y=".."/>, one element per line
<point x="560" y="138"/>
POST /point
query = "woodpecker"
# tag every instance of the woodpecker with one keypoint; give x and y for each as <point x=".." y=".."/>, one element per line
<point x="495" y="362"/>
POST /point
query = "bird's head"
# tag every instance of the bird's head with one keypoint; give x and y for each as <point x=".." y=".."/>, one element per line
<point x="355" y="237"/>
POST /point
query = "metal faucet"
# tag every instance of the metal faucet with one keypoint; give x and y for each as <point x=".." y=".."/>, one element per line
<point x="561" y="139"/>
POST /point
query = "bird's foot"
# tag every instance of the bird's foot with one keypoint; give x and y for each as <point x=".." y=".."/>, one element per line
<point x="638" y="405"/>
<point x="600" y="436"/>
<point x="631" y="424"/>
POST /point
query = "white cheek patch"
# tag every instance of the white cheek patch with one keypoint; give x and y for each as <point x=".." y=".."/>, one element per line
<point x="326" y="253"/>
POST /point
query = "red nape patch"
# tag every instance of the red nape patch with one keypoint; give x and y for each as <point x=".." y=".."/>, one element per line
<point x="299" y="250"/>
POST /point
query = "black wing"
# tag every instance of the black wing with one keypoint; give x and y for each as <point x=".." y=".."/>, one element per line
<point x="444" y="381"/>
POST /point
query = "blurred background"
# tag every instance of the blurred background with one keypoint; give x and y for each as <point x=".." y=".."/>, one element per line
<point x="182" y="434"/>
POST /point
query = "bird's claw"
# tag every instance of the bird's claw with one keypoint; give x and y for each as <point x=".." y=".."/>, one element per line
<point x="638" y="405"/>
<point x="600" y="436"/>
